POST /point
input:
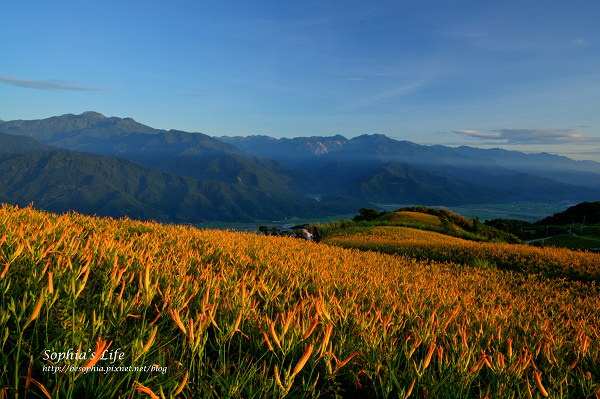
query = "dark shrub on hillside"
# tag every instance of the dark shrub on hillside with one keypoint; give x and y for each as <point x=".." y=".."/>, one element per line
<point x="367" y="214"/>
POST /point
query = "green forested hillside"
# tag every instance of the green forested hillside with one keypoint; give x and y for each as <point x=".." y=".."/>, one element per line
<point x="404" y="183"/>
<point x="194" y="155"/>
<point x="63" y="180"/>
<point x="14" y="145"/>
<point x="589" y="210"/>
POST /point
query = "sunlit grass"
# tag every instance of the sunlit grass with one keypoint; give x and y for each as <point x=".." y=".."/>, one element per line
<point x="552" y="262"/>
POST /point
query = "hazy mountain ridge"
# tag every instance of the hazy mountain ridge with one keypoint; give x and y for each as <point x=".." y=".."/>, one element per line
<point x="291" y="152"/>
<point x="362" y="154"/>
<point x="61" y="180"/>
<point x="60" y="129"/>
<point x="347" y="159"/>
<point x="406" y="183"/>
<point x="193" y="155"/>
<point x="558" y="167"/>
<point x="15" y="145"/>
<point x="249" y="176"/>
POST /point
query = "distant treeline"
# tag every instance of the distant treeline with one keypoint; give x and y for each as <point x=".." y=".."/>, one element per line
<point x="552" y="225"/>
<point x="575" y="214"/>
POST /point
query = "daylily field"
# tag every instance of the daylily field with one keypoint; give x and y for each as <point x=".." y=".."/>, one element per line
<point x="181" y="312"/>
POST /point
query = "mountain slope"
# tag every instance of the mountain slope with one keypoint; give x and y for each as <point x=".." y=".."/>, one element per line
<point x="403" y="183"/>
<point x="186" y="154"/>
<point x="15" y="145"/>
<point x="293" y="152"/>
<point x="339" y="160"/>
<point x="204" y="158"/>
<point x="322" y="155"/>
<point x="68" y="129"/>
<point x="63" y="180"/>
<point x="523" y="186"/>
<point x="561" y="168"/>
<point x="575" y="214"/>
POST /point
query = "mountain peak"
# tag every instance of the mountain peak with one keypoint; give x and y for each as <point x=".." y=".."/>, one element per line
<point x="371" y="137"/>
<point x="93" y="114"/>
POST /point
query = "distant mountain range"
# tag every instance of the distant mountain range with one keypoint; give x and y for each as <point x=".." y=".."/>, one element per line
<point x="117" y="167"/>
<point x="193" y="155"/>
<point x="563" y="169"/>
<point x="394" y="180"/>
<point x="337" y="160"/>
<point x="61" y="180"/>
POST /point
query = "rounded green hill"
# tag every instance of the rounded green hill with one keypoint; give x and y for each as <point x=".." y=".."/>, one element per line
<point x="410" y="217"/>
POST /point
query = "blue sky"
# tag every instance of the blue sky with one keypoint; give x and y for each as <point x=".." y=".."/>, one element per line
<point x="521" y="75"/>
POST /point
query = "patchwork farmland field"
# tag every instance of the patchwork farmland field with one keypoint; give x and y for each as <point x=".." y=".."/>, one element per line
<point x="223" y="314"/>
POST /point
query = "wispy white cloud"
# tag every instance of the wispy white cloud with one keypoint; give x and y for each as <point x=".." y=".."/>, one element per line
<point x="578" y="152"/>
<point x="53" y="85"/>
<point x="383" y="97"/>
<point x="478" y="134"/>
<point x="580" y="42"/>
<point x="387" y="94"/>
<point x="533" y="136"/>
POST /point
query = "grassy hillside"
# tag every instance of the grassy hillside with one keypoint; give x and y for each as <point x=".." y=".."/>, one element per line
<point x="415" y="219"/>
<point x="442" y="221"/>
<point x="582" y="242"/>
<point x="410" y="217"/>
<point x="220" y="314"/>
<point x="551" y="262"/>
<point x="62" y="180"/>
